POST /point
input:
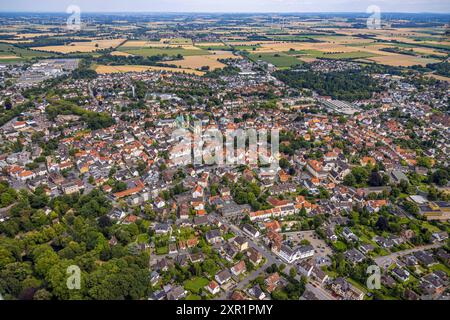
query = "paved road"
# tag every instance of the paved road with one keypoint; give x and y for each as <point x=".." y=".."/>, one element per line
<point x="385" y="261"/>
<point x="243" y="284"/>
<point x="319" y="292"/>
<point x="6" y="209"/>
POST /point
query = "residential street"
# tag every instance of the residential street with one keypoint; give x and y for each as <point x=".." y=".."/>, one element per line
<point x="386" y="261"/>
<point x="320" y="293"/>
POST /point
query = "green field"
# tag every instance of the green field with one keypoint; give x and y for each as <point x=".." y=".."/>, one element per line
<point x="19" y="54"/>
<point x="243" y="47"/>
<point x="195" y="284"/>
<point x="434" y="45"/>
<point x="279" y="60"/>
<point x="180" y="41"/>
<point x="149" y="51"/>
<point x="362" y="44"/>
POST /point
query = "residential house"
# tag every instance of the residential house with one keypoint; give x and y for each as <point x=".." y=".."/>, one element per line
<point x="223" y="277"/>
<point x="251" y="231"/>
<point x="238" y="268"/>
<point x="213" y="287"/>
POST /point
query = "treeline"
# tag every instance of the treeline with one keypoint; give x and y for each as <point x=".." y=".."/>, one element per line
<point x="7" y="194"/>
<point x="15" y="111"/>
<point x="43" y="42"/>
<point x="442" y="68"/>
<point x="409" y="52"/>
<point x="138" y="60"/>
<point x="84" y="70"/>
<point x="347" y="85"/>
<point x="225" y="72"/>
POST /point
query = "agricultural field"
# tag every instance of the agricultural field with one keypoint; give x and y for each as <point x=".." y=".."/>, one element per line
<point x="280" y="60"/>
<point x="210" y="61"/>
<point x="83" y="46"/>
<point x="120" y="54"/>
<point x="177" y="41"/>
<point x="331" y="55"/>
<point x="212" y="46"/>
<point x="169" y="51"/>
<point x="438" y="77"/>
<point x="350" y="47"/>
<point x="10" y="53"/>
<point x="163" y="43"/>
<point x="402" y="60"/>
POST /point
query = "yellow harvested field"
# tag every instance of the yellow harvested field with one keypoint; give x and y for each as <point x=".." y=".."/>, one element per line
<point x="121" y="54"/>
<point x="425" y="51"/>
<point x="154" y="44"/>
<point x="8" y="57"/>
<point x="306" y="59"/>
<point x="196" y="62"/>
<point x="248" y="43"/>
<point x="142" y="43"/>
<point x="82" y="46"/>
<point x="347" y="40"/>
<point x="438" y="77"/>
<point x="209" y="44"/>
<point x="17" y="41"/>
<point x="103" y="69"/>
<point x="35" y="35"/>
<point x="401" y="60"/>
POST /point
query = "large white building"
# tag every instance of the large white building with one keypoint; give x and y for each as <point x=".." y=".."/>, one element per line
<point x="290" y="255"/>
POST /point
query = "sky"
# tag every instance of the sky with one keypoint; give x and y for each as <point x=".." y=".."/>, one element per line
<point x="440" y="6"/>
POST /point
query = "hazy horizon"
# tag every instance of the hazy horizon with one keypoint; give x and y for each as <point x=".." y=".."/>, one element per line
<point x="230" y="6"/>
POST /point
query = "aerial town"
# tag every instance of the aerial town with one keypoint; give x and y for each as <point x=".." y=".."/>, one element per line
<point x="93" y="175"/>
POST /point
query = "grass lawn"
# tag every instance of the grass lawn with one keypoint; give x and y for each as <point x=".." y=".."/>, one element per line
<point x="404" y="220"/>
<point x="148" y="51"/>
<point x="193" y="297"/>
<point x="195" y="284"/>
<point x="441" y="267"/>
<point x="162" y="250"/>
<point x="228" y="236"/>
<point x="185" y="233"/>
<point x="142" y="238"/>
<point x="331" y="274"/>
<point x="279" y="60"/>
<point x="430" y="227"/>
<point x="339" y="246"/>
<point x="357" y="285"/>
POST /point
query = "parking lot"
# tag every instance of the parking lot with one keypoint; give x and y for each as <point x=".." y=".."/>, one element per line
<point x="321" y="248"/>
